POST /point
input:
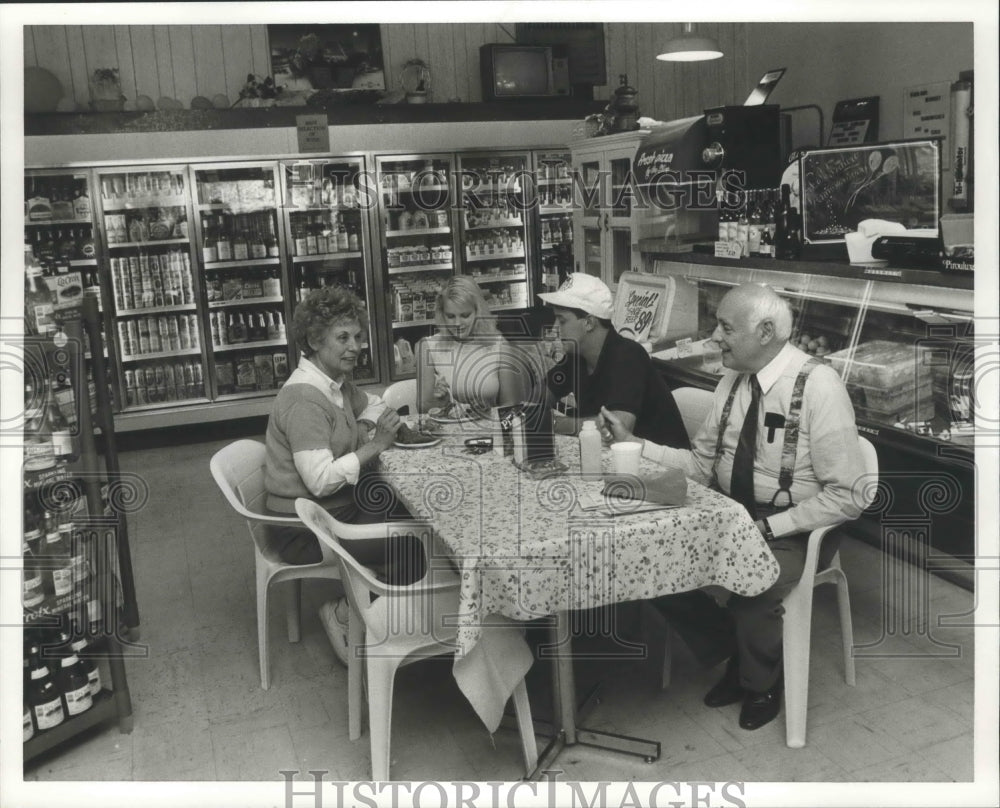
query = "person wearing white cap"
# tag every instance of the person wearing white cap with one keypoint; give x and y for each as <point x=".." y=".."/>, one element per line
<point x="604" y="369"/>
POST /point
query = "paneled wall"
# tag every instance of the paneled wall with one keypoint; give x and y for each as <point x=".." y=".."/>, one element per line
<point x="182" y="61"/>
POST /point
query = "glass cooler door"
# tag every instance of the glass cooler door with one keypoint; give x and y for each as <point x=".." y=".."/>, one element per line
<point x="326" y="235"/>
<point x="553" y="256"/>
<point x="241" y="268"/>
<point x="417" y="234"/>
<point x="494" y="227"/>
<point x="153" y="290"/>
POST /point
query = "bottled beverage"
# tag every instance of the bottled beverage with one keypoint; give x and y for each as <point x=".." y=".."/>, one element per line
<point x="270" y="239"/>
<point x="209" y="251"/>
<point x="257" y="327"/>
<point x="272" y="284"/>
<point x="590" y="451"/>
<point x="39" y="306"/>
<point x="237" y="328"/>
<point x="39" y="452"/>
<point x="241" y="240"/>
<point x="27" y="724"/>
<point x="353" y="240"/>
<point x="280" y="324"/>
<point x="754" y="228"/>
<point x="62" y="442"/>
<point x="72" y="681"/>
<point x="343" y="243"/>
<point x="32" y="587"/>
<point x="272" y="326"/>
<point x="223" y="240"/>
<point x="299" y="236"/>
<point x="787" y="238"/>
<point x="81" y="648"/>
<point x="85" y="243"/>
<point x="58" y="557"/>
<point x="41" y="693"/>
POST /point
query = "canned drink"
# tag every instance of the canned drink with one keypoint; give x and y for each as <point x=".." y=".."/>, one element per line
<point x="192" y="321"/>
<point x="130" y="396"/>
<point x="168" y="375"/>
<point x="158" y="375"/>
<point x="133" y="336"/>
<point x="140" y="396"/>
<point x="184" y="332"/>
<point x="154" y="334"/>
<point x="123" y="338"/>
<point x="174" y="335"/>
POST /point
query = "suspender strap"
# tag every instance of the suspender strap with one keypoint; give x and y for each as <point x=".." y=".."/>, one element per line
<point x="723" y="423"/>
<point x="791" y="444"/>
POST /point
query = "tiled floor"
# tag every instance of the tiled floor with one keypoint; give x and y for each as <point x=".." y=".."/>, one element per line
<point x="200" y="713"/>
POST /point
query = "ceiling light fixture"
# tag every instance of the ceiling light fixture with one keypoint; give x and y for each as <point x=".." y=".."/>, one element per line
<point x="688" y="47"/>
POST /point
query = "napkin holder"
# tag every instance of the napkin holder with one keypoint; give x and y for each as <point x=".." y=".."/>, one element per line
<point x="502" y="419"/>
<point x="666" y="488"/>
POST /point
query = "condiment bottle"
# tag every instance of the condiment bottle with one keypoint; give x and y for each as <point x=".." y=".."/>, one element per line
<point x="590" y="451"/>
<point x="42" y="693"/>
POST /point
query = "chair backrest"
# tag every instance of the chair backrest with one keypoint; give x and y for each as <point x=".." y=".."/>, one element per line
<point x="869" y="484"/>
<point x="402" y="396"/>
<point x="694" y="404"/>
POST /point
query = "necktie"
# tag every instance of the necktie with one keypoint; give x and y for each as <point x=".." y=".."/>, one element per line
<point x="741" y="483"/>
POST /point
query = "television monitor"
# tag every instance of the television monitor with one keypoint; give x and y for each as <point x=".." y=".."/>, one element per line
<point x="516" y="71"/>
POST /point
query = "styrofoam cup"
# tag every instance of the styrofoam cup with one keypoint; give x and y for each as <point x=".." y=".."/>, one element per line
<point x="625" y="457"/>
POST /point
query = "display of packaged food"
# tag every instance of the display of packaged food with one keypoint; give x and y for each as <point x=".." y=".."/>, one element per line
<point x="915" y="411"/>
<point x="882" y="364"/>
<point x="901" y="398"/>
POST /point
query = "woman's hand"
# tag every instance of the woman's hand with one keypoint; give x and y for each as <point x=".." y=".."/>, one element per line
<point x="386" y="428"/>
<point x="610" y="422"/>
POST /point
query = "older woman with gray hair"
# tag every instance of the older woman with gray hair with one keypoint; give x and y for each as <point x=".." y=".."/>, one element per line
<point x="318" y="445"/>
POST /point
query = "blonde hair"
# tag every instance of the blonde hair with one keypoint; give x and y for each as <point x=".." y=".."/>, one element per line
<point x="462" y="291"/>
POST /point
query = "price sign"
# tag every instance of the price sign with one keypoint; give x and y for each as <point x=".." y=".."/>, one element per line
<point x="313" y="133"/>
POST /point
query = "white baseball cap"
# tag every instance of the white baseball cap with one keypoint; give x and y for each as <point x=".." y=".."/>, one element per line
<point x="583" y="291"/>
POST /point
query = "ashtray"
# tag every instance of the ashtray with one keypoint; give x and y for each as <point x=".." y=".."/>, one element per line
<point x="542" y="468"/>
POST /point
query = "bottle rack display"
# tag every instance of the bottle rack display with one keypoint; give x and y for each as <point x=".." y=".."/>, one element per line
<point x="327" y="235"/>
<point x="77" y="587"/>
<point x="554" y="203"/>
<point x="241" y="270"/>
<point x="418" y="245"/>
<point x="494" y="220"/>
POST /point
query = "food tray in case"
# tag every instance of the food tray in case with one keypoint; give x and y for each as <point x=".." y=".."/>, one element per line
<point x="915" y="411"/>
<point x="882" y="364"/>
<point x="889" y="402"/>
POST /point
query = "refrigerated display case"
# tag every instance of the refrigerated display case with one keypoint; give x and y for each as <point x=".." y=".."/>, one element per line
<point x="904" y="343"/>
<point x="326" y="233"/>
<point x="150" y="287"/>
<point x="242" y="275"/>
<point x="494" y="226"/>
<point x="553" y="256"/>
<point x="417" y="218"/>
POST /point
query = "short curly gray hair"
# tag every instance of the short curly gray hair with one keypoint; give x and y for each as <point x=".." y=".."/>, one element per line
<point x="322" y="308"/>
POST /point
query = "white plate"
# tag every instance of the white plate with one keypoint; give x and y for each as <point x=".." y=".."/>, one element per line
<point x="425" y="445"/>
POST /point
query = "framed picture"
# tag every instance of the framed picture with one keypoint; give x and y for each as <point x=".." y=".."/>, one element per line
<point x="898" y="181"/>
<point x="307" y="58"/>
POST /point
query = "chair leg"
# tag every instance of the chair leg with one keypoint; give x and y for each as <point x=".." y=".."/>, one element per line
<point x="355" y="674"/>
<point x="522" y="709"/>
<point x="657" y="627"/>
<point x="795" y="636"/>
<point x="293" y="608"/>
<point x="846" y="628"/>
<point x="381" y="676"/>
<point x="262" y="634"/>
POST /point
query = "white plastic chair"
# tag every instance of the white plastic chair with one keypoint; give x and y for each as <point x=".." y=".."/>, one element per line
<point x="693" y="404"/>
<point x="402" y="394"/>
<point x="238" y="470"/>
<point x="797" y="623"/>
<point x="403" y="624"/>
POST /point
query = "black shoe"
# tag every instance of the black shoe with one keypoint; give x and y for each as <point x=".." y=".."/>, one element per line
<point x="761" y="708"/>
<point x="727" y="690"/>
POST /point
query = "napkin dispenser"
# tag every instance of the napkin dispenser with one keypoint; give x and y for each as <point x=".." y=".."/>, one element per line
<point x="524" y="432"/>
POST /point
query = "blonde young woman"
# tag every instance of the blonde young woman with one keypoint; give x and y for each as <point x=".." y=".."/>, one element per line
<point x="468" y="361"/>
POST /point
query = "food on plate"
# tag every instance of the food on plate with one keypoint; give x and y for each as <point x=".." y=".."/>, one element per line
<point x="407" y="436"/>
<point x="453" y="410"/>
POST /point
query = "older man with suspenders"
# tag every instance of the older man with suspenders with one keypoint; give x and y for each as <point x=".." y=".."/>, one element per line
<point x="781" y="439"/>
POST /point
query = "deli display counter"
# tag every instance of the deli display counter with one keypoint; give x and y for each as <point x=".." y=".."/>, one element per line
<point x="904" y="342"/>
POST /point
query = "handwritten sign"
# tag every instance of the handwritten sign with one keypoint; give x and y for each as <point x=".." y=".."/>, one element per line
<point x="313" y="133"/>
<point x="898" y="182"/>
<point x="637" y="303"/>
<point x="927" y="113"/>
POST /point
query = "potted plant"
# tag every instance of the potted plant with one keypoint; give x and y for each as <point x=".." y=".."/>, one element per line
<point x="258" y="92"/>
<point x="106" y="90"/>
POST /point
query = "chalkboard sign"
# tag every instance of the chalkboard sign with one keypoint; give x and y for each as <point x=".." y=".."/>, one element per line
<point x="898" y="182"/>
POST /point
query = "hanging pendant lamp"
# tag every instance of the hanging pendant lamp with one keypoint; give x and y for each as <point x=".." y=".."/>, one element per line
<point x="689" y="47"/>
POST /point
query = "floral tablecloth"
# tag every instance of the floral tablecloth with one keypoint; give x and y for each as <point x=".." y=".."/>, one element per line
<point x="526" y="549"/>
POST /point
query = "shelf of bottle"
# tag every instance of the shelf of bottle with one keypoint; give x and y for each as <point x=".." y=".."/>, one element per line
<point x="249" y="262"/>
<point x="161" y="355"/>
<point x="160" y="242"/>
<point x="554" y="181"/>
<point x="321" y="208"/>
<point x="552" y="245"/>
<point x="225" y="206"/>
<point x="142" y="202"/>
<point x="156" y="310"/>
<point x="550" y="210"/>
<point x="491" y="226"/>
<point x="249" y="346"/>
<point x="54" y="605"/>
<point x="103" y="709"/>
<point x="244" y="394"/>
<point x="417" y="231"/>
<point x="334" y="256"/>
<point x="494" y="256"/>
<point x="500" y="277"/>
<point x="490" y="186"/>
<point x="244" y="301"/>
<point x="420" y="268"/>
<point x="159" y="405"/>
<point x="54" y="222"/>
<point x="412" y="323"/>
